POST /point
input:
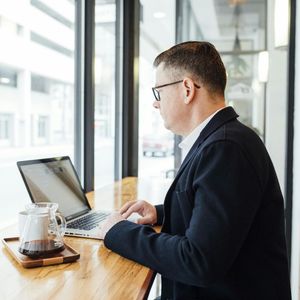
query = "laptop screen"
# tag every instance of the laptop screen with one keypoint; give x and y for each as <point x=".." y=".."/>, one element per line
<point x="55" y="180"/>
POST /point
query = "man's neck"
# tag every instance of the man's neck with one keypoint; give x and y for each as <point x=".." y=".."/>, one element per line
<point x="198" y="117"/>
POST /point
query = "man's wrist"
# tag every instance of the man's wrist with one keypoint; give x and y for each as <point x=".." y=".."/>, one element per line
<point x="113" y="233"/>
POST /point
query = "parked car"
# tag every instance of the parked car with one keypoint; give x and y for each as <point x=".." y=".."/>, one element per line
<point x="158" y="145"/>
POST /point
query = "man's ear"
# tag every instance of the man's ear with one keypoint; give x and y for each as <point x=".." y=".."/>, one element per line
<point x="189" y="90"/>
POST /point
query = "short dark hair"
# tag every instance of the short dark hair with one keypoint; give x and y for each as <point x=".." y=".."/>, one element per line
<point x="200" y="59"/>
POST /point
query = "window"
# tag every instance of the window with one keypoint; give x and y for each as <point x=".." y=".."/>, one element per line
<point x="39" y="84"/>
<point x="36" y="90"/>
<point x="105" y="36"/>
<point x="8" y="76"/>
<point x="42" y="126"/>
<point x="5" y="128"/>
<point x="244" y="91"/>
<point x="238" y="30"/>
<point x="156" y="144"/>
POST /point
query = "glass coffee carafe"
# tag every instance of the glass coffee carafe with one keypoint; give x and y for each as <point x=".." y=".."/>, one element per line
<point x="43" y="230"/>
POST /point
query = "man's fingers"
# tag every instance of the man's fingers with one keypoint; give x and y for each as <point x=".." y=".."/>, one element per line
<point x="129" y="211"/>
<point x="125" y="207"/>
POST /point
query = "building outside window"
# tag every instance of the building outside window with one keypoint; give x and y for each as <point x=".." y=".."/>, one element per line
<point x="36" y="90"/>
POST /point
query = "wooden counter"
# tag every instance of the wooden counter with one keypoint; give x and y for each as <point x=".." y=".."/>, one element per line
<point x="99" y="273"/>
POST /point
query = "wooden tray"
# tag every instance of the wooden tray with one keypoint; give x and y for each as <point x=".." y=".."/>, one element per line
<point x="66" y="256"/>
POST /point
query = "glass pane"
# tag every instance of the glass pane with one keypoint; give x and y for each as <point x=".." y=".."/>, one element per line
<point x="238" y="30"/>
<point x="105" y="37"/>
<point x="244" y="91"/>
<point x="36" y="90"/>
<point x="156" y="144"/>
<point x="231" y="25"/>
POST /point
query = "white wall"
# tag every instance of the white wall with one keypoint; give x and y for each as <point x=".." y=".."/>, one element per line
<point x="295" y="262"/>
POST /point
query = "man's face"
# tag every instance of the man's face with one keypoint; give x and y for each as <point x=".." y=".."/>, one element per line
<point x="171" y="104"/>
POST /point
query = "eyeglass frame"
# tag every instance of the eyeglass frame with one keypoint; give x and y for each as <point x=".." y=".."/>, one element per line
<point x="157" y="94"/>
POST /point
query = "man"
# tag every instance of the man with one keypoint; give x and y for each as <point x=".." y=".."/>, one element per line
<point x="223" y="230"/>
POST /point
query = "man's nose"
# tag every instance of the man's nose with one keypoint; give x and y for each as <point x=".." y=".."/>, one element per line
<point x="156" y="104"/>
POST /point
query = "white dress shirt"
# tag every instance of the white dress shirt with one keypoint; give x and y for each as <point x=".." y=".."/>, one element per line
<point x="190" y="139"/>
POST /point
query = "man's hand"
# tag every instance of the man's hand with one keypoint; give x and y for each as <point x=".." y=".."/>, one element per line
<point x="143" y="208"/>
<point x="111" y="220"/>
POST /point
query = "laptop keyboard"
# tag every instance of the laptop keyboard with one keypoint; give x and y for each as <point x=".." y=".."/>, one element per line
<point x="88" y="222"/>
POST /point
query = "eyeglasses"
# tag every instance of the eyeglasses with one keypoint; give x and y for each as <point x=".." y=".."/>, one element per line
<point x="156" y="91"/>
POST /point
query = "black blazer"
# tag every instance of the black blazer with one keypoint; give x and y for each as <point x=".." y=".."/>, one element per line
<point x="223" y="234"/>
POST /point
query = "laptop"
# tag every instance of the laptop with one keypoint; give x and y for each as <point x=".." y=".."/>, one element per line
<point x="55" y="180"/>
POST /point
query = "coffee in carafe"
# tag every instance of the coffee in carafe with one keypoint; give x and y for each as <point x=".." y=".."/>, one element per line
<point x="41" y="234"/>
<point x="40" y="248"/>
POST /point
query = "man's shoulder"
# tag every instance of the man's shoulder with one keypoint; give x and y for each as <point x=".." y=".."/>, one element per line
<point x="235" y="131"/>
<point x="239" y="136"/>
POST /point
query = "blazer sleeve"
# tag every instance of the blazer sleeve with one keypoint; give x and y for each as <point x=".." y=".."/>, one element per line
<point x="160" y="214"/>
<point x="227" y="194"/>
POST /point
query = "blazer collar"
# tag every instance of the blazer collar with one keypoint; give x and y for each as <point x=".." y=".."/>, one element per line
<point x="223" y="116"/>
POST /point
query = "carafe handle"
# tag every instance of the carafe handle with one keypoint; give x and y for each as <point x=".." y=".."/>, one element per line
<point x="63" y="224"/>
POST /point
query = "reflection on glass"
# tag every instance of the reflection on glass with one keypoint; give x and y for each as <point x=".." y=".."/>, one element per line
<point x="105" y="36"/>
<point x="244" y="91"/>
<point x="238" y="30"/>
<point x="36" y="89"/>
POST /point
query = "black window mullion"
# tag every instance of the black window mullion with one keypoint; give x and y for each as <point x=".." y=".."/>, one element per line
<point x="130" y="87"/>
<point x="179" y="38"/>
<point x="119" y="90"/>
<point x="78" y="87"/>
<point x="290" y="128"/>
<point x="89" y="95"/>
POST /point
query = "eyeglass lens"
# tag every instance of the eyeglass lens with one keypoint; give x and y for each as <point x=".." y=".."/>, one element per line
<point x="156" y="94"/>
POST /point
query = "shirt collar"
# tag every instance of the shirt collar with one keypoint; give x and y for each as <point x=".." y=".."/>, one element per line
<point x="191" y="138"/>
